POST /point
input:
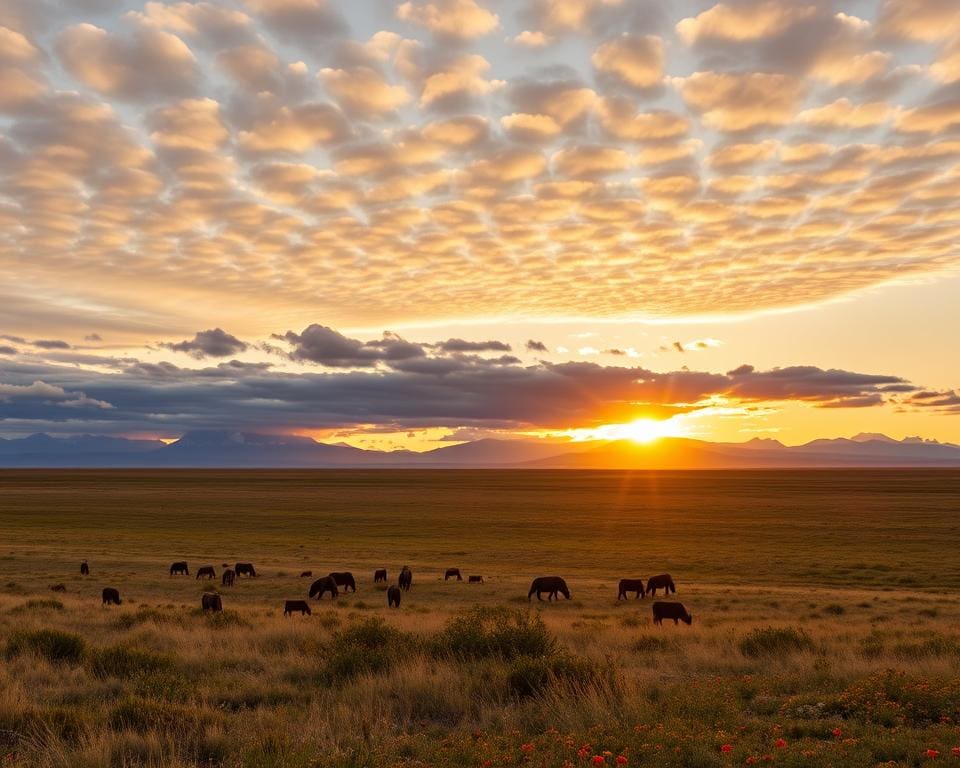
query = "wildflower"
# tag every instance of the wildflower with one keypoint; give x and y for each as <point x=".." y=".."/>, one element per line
<point x="780" y="743"/>
<point x="486" y="764"/>
<point x="955" y="751"/>
<point x="751" y="760"/>
<point x="622" y="760"/>
<point x="726" y="748"/>
<point x="584" y="751"/>
<point x="933" y="754"/>
<point x="837" y="733"/>
<point x="598" y="760"/>
<point x="527" y="747"/>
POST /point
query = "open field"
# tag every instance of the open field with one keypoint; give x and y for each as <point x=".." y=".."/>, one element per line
<point x="826" y="613"/>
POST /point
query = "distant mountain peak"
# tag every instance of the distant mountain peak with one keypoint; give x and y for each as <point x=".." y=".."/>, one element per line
<point x="866" y="437"/>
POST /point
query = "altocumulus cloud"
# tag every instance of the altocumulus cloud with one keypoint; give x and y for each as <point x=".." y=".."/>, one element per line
<point x="725" y="157"/>
<point x="213" y="343"/>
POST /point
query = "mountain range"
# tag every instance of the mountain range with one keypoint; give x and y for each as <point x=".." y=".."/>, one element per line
<point x="226" y="449"/>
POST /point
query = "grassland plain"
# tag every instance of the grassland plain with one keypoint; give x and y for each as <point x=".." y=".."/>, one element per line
<point x="825" y="629"/>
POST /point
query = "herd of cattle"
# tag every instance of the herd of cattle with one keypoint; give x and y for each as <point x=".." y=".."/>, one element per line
<point x="333" y="583"/>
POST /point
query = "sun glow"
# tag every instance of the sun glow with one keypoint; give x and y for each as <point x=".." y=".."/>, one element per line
<point x="640" y="431"/>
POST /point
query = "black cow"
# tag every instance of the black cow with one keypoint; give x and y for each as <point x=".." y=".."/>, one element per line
<point x="293" y="606"/>
<point x="210" y="601"/>
<point x="380" y="575"/>
<point x="322" y="585"/>
<point x="451" y="573"/>
<point x="228" y="578"/>
<point x="393" y="597"/>
<point x="674" y="611"/>
<point x="207" y="571"/>
<point x="406" y="579"/>
<point x="306" y="574"/>
<point x="475" y="580"/>
<point x="245" y="569"/>
<point x="664" y="582"/>
<point x="631" y="585"/>
<point x="344" y="579"/>
<point x="179" y="569"/>
<point x="551" y="585"/>
<point x="84" y="569"/>
<point x="111" y="596"/>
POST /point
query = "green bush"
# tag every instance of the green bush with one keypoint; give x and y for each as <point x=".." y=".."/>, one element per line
<point x="51" y="644"/>
<point x="126" y="662"/>
<point x="368" y="646"/>
<point x="775" y="642"/>
<point x="494" y="632"/>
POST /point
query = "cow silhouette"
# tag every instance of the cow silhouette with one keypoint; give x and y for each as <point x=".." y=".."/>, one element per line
<point x="111" y="596"/>
<point x="296" y="606"/>
<point x="306" y="574"/>
<point x="211" y="602"/>
<point x="228" y="578"/>
<point x="245" y="569"/>
<point x="322" y="585"/>
<point x="405" y="580"/>
<point x="84" y="569"/>
<point x="344" y="579"/>
<point x="664" y="582"/>
<point x="675" y="611"/>
<point x="475" y="580"/>
<point x="452" y="573"/>
<point x="179" y="569"/>
<point x="393" y="597"/>
<point x="207" y="571"/>
<point x="380" y="575"/>
<point x="551" y="585"/>
<point x="630" y="585"/>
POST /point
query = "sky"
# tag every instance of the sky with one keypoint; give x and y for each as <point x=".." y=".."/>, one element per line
<point x="405" y="224"/>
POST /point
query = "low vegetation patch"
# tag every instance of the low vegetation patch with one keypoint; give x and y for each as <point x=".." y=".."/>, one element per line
<point x="51" y="644"/>
<point x="494" y="632"/>
<point x="126" y="662"/>
<point x="771" y="641"/>
<point x="37" y="605"/>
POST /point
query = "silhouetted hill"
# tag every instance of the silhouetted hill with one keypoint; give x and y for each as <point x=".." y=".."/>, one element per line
<point x="229" y="448"/>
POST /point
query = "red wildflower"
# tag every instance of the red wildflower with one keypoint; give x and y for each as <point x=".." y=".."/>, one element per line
<point x="751" y="760"/>
<point x="955" y="751"/>
<point x="933" y="754"/>
<point x="837" y="733"/>
<point x="780" y="743"/>
<point x="527" y="747"/>
<point x="598" y="760"/>
<point x="726" y="748"/>
<point x="584" y="751"/>
<point x="622" y="760"/>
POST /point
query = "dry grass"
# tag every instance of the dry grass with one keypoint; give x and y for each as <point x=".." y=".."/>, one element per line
<point x="863" y="674"/>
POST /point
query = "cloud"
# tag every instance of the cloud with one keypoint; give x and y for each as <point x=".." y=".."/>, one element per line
<point x="212" y="343"/>
<point x="843" y="114"/>
<point x="323" y="345"/>
<point x="454" y="19"/>
<point x="532" y="39"/>
<point x="296" y="130"/>
<point x="742" y="22"/>
<point x="536" y="346"/>
<point x="151" y="63"/>
<point x="459" y="80"/>
<point x="50" y="344"/>
<point x="634" y="60"/>
<point x="920" y="20"/>
<point x="739" y="102"/>
<point x="302" y="22"/>
<point x="363" y="91"/>
<point x="48" y="393"/>
<point x="460" y="345"/>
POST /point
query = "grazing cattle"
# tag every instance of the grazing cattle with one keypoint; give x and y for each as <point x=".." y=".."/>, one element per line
<point x="58" y="587"/>
<point x="673" y="611"/>
<point x="211" y="602"/>
<point x="111" y="596"/>
<point x="306" y="574"/>
<point x="380" y="575"/>
<point x="406" y="579"/>
<point x="179" y="569"/>
<point x="475" y="580"/>
<point x="224" y="565"/>
<point x="293" y="606"/>
<point x="245" y="569"/>
<point x="344" y="579"/>
<point x="451" y="573"/>
<point x="393" y="597"/>
<point x="631" y="585"/>
<point x="551" y="585"/>
<point x="324" y="584"/>
<point x="207" y="571"/>
<point x="664" y="582"/>
<point x="84" y="569"/>
<point x="228" y="578"/>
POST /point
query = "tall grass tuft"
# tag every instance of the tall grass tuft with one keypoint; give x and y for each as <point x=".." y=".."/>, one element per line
<point x="52" y="644"/>
<point x="780" y="642"/>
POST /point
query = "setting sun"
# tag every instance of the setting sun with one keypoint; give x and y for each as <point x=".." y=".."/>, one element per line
<point x="642" y="431"/>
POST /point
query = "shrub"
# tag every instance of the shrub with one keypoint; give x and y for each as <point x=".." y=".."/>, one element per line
<point x="835" y="610"/>
<point x="51" y="644"/>
<point x="368" y="646"/>
<point x="494" y="632"/>
<point x="34" y="605"/>
<point x="138" y="714"/>
<point x="775" y="642"/>
<point x="126" y="662"/>
<point x="652" y="643"/>
<point x="531" y="676"/>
